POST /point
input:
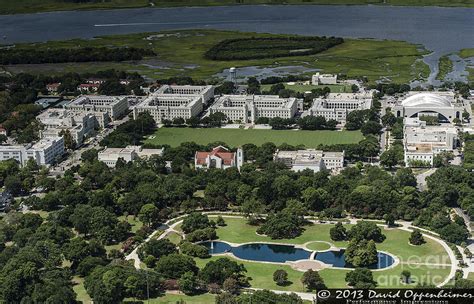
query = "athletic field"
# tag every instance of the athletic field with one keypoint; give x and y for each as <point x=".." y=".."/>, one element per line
<point x="237" y="137"/>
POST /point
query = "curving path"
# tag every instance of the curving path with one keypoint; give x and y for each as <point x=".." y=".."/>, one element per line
<point x="407" y="226"/>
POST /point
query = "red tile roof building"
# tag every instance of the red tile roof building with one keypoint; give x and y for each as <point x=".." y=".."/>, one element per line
<point x="220" y="157"/>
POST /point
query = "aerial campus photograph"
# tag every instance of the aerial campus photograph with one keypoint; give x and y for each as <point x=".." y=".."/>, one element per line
<point x="237" y="151"/>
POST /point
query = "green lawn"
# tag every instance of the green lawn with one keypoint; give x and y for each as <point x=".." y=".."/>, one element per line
<point x="181" y="53"/>
<point x="79" y="289"/>
<point x="133" y="221"/>
<point x="419" y="260"/>
<point x="31" y="6"/>
<point x="174" y="298"/>
<point x="318" y="246"/>
<point x="174" y="237"/>
<point x="302" y="88"/>
<point x="237" y="137"/>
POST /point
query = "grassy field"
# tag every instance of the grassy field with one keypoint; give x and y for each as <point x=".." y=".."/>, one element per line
<point x="422" y="261"/>
<point x="238" y="137"/>
<point x="302" y="88"/>
<point x="31" y="6"/>
<point x="181" y="53"/>
<point x="419" y="260"/>
<point x="466" y="53"/>
<point x="445" y="67"/>
<point x="80" y="291"/>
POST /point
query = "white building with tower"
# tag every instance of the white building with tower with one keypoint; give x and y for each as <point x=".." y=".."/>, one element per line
<point x="219" y="158"/>
<point x="446" y="106"/>
<point x="248" y="108"/>
<point x="422" y="142"/>
<point x="315" y="160"/>
<point x="336" y="106"/>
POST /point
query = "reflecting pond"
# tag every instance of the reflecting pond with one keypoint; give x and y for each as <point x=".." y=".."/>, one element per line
<point x="279" y="253"/>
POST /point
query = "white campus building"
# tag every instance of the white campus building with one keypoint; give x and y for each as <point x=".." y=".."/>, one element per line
<point x="220" y="158"/>
<point x="336" y="106"/>
<point x="170" y="102"/>
<point x="318" y="79"/>
<point x="80" y="125"/>
<point x="446" y="106"/>
<point x="114" y="106"/>
<point x="110" y="156"/>
<point x="44" y="152"/>
<point x="423" y="143"/>
<point x="315" y="160"/>
<point x="248" y="108"/>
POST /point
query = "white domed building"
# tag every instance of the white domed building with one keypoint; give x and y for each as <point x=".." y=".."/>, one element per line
<point x="440" y="104"/>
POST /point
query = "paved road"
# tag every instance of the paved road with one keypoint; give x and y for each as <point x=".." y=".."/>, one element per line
<point x="421" y="178"/>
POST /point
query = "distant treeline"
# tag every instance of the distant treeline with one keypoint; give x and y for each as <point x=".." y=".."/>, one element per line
<point x="83" y="54"/>
<point x="258" y="48"/>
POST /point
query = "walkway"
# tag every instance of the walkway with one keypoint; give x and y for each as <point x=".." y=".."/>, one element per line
<point x="407" y="226"/>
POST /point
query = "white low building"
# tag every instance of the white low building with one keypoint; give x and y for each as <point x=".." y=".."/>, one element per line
<point x="110" y="156"/>
<point x="45" y="152"/>
<point x="315" y="160"/>
<point x="80" y="125"/>
<point x="336" y="106"/>
<point x="248" y="108"/>
<point x="422" y="143"/>
<point x="318" y="79"/>
<point x="170" y="102"/>
<point x="114" y="106"/>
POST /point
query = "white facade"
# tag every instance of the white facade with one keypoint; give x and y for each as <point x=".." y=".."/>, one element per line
<point x="44" y="152"/>
<point x="80" y="125"/>
<point x="170" y="102"/>
<point x="315" y="160"/>
<point x="110" y="156"/>
<point x="248" y="108"/>
<point x="219" y="158"/>
<point x="318" y="79"/>
<point x="444" y="105"/>
<point x="336" y="106"/>
<point x="205" y="92"/>
<point x="423" y="143"/>
<point x="114" y="106"/>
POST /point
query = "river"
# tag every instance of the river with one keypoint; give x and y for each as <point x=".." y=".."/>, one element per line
<point x="440" y="30"/>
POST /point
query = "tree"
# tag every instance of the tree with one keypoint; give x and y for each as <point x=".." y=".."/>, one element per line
<point x="157" y="248"/>
<point x="219" y="270"/>
<point x="149" y="214"/>
<point x="89" y="155"/>
<point x="465" y="115"/>
<point x="231" y="285"/>
<point x="389" y="158"/>
<point x="281" y="225"/>
<point x="69" y="142"/>
<point x="3" y="138"/>
<point x="312" y="280"/>
<point x="389" y="219"/>
<point x="361" y="253"/>
<point x="416" y="238"/>
<point x="195" y="221"/>
<point x="361" y="278"/>
<point x="220" y="221"/>
<point x="188" y="283"/>
<point x="365" y="230"/>
<point x="406" y="277"/>
<point x="173" y="266"/>
<point x="371" y="127"/>
<point x="338" y="232"/>
<point x="280" y="277"/>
